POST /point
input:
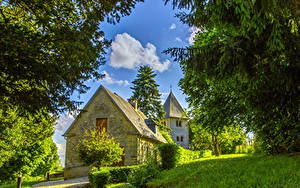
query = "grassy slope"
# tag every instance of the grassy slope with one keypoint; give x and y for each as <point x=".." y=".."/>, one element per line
<point x="238" y="170"/>
<point x="29" y="183"/>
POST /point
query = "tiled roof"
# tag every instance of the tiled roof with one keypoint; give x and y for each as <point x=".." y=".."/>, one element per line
<point x="136" y="118"/>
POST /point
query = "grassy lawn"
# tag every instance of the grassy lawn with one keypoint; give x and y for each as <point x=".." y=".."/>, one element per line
<point x="238" y="170"/>
<point x="29" y="183"/>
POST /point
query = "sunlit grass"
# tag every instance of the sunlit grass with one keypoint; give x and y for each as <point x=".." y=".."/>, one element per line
<point x="27" y="183"/>
<point x="237" y="170"/>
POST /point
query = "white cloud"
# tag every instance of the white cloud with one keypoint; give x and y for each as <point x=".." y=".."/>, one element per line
<point x="127" y="52"/>
<point x="109" y="80"/>
<point x="63" y="122"/>
<point x="193" y="30"/>
<point x="173" y="26"/>
<point x="178" y="39"/>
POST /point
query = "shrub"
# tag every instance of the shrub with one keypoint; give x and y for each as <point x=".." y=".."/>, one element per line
<point x="244" y="149"/>
<point x="140" y="176"/>
<point x="120" y="174"/>
<point x="99" y="178"/>
<point x="98" y="148"/>
<point x="206" y="153"/>
<point x="188" y="155"/>
<point x="167" y="136"/>
<point x="170" y="155"/>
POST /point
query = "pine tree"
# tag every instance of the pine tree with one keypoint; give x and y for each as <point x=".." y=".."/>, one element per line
<point x="145" y="92"/>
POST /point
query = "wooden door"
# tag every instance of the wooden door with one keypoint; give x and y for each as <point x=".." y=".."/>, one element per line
<point x="101" y="123"/>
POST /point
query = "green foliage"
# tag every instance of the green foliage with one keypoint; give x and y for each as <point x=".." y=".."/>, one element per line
<point x="229" y="137"/>
<point x="50" y="161"/>
<point x="188" y="155"/>
<point x="237" y="170"/>
<point x="50" y="48"/>
<point x="99" y="178"/>
<point x="104" y="175"/>
<point x="170" y="155"/>
<point x="206" y="153"/>
<point x="244" y="67"/>
<point x="145" y="92"/>
<point x="167" y="136"/>
<point x="244" y="149"/>
<point x="27" y="144"/>
<point x="97" y="148"/>
<point x="120" y="174"/>
<point x="140" y="176"/>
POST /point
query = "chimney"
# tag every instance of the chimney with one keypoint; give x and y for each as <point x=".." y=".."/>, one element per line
<point x="135" y="105"/>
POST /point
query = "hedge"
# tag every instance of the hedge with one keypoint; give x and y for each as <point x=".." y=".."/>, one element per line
<point x="170" y="155"/>
<point x="104" y="175"/>
<point x="99" y="178"/>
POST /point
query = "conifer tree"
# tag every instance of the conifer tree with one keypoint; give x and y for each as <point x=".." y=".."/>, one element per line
<point x="145" y="92"/>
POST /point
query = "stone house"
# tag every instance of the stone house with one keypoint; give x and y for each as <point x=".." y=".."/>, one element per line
<point x="135" y="133"/>
<point x="176" y="120"/>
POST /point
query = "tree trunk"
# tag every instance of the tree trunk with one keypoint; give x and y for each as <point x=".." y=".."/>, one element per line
<point x="19" y="182"/>
<point x="216" y="146"/>
<point x="48" y="176"/>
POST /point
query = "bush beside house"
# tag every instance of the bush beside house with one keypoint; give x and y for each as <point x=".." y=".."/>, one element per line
<point x="99" y="177"/>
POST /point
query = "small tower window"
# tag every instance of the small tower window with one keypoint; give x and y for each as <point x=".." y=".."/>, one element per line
<point x="178" y="123"/>
<point x="177" y="138"/>
<point x="181" y="138"/>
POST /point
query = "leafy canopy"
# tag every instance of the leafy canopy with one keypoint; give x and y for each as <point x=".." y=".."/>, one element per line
<point x="244" y="66"/>
<point x="26" y="143"/>
<point x="49" y="48"/>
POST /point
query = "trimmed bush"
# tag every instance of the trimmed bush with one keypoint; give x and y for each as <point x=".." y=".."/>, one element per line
<point x="188" y="155"/>
<point x="206" y="153"/>
<point x="140" y="176"/>
<point x="170" y="155"/>
<point x="120" y="174"/>
<point x="99" y="178"/>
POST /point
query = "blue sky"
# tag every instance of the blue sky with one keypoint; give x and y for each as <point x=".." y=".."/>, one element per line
<point x="138" y="39"/>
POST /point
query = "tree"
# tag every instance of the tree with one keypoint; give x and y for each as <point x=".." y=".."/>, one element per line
<point x="97" y="148"/>
<point x="247" y="53"/>
<point x="145" y="92"/>
<point x="26" y="142"/>
<point x="49" y="48"/>
<point x="50" y="160"/>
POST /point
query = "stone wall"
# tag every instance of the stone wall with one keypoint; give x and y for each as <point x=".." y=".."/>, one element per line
<point x="118" y="126"/>
<point x="145" y="149"/>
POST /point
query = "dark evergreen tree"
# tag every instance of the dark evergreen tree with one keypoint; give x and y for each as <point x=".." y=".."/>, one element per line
<point x="145" y="92"/>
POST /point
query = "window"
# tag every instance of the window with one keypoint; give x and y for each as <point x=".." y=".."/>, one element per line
<point x="178" y="123"/>
<point x="177" y="138"/>
<point x="101" y="123"/>
<point x="181" y="138"/>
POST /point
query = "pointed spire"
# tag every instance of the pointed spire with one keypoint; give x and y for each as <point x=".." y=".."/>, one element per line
<point x="172" y="107"/>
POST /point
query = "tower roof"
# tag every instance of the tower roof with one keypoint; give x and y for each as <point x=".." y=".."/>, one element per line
<point x="173" y="108"/>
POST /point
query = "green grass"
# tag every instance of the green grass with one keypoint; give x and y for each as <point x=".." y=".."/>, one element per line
<point x="119" y="185"/>
<point x="237" y="170"/>
<point x="28" y="183"/>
